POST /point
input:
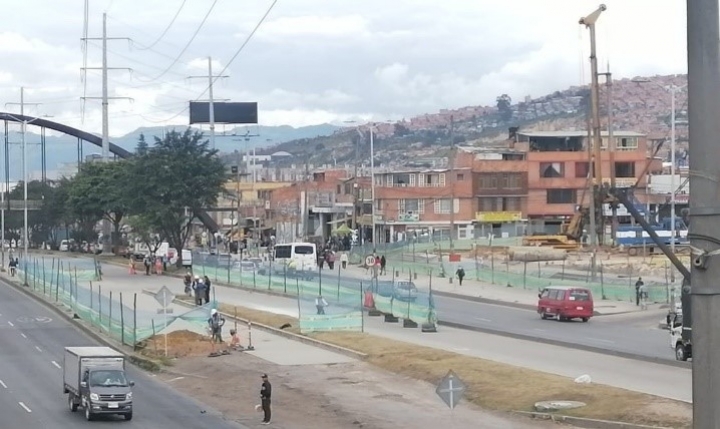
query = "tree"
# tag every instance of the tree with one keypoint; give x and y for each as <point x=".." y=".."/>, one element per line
<point x="143" y="230"/>
<point x="102" y="188"/>
<point x="504" y="106"/>
<point x="42" y="220"/>
<point x="176" y="178"/>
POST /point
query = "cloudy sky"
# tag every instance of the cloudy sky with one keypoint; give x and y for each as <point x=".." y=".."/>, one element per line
<point x="316" y="61"/>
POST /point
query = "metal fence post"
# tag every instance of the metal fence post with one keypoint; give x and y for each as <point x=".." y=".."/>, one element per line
<point x="100" y="307"/>
<point x="134" y="321"/>
<point x="110" y="316"/>
<point x="254" y="279"/>
<point x="285" y="278"/>
<point x="91" y="299"/>
<point x="43" y="273"/>
<point x="525" y="274"/>
<point x="338" y="285"/>
<point x="122" y="321"/>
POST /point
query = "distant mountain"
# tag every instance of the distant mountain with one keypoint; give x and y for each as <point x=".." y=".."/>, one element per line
<point x="62" y="149"/>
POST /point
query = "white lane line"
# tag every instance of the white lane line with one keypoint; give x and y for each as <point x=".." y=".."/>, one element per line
<point x="2" y="383"/>
<point x="25" y="407"/>
<point x="23" y="335"/>
<point x="601" y="340"/>
<point x="56" y="364"/>
<point x="483" y="320"/>
<point x="176" y="379"/>
<point x="539" y="330"/>
<point x="38" y="349"/>
<point x="10" y="323"/>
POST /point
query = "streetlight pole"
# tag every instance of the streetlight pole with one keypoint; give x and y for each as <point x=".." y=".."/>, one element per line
<point x="673" y="90"/>
<point x="372" y="188"/>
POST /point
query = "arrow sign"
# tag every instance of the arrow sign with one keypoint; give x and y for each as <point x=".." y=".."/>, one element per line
<point x="451" y="389"/>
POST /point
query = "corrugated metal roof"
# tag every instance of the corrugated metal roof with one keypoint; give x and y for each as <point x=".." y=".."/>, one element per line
<point x="577" y="133"/>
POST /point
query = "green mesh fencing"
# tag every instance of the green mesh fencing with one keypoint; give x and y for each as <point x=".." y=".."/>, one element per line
<point x="114" y="314"/>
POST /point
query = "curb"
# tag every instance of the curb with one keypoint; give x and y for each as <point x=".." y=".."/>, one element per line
<point x="139" y="361"/>
<point x="282" y="333"/>
<point x="585" y="423"/>
<point x="598" y="350"/>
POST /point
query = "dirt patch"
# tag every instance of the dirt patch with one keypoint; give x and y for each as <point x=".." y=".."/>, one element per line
<point x="180" y="344"/>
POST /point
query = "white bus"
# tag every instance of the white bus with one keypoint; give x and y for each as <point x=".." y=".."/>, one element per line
<point x="296" y="257"/>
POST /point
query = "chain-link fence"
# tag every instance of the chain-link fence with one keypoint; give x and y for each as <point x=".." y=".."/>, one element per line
<point x="74" y="283"/>
<point x="343" y="292"/>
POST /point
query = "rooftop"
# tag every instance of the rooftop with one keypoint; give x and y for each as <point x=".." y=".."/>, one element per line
<point x="577" y="133"/>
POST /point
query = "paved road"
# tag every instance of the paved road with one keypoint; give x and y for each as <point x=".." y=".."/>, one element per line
<point x="31" y="355"/>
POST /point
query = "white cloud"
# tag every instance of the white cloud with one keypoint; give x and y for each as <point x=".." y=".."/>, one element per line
<point x="327" y="60"/>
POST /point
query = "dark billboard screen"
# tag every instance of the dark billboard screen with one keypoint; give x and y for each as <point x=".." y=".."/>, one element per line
<point x="225" y="112"/>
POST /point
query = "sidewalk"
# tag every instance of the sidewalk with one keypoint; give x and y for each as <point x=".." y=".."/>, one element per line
<point x="481" y="291"/>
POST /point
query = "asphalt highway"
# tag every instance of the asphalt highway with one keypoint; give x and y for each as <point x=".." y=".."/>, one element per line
<point x="605" y="334"/>
<point x="32" y="339"/>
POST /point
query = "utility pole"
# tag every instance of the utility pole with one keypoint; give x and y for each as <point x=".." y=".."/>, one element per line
<point x="703" y="41"/>
<point x="106" y="244"/>
<point x="211" y="100"/>
<point x="611" y="149"/>
<point x="372" y="184"/>
<point x="306" y="212"/>
<point x="26" y="235"/>
<point x="452" y="178"/>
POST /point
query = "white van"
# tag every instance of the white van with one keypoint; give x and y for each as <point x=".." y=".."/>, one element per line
<point x="64" y="246"/>
<point x="297" y="256"/>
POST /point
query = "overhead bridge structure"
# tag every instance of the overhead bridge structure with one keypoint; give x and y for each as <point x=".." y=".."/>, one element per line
<point x="82" y="136"/>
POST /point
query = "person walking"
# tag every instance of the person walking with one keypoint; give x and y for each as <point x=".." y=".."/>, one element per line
<point x="265" y="399"/>
<point x="199" y="288"/>
<point x="148" y="263"/>
<point x="460" y="274"/>
<point x="216" y="322"/>
<point x="207" y="289"/>
<point x="643" y="297"/>
<point x="383" y="263"/>
<point x="344" y="260"/>
<point x="638" y="284"/>
<point x="320" y="304"/>
<point x="132" y="266"/>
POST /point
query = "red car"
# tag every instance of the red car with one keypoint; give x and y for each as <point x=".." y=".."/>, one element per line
<point x="565" y="303"/>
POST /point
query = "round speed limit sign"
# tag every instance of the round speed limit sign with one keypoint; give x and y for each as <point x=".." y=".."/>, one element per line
<point x="370" y="260"/>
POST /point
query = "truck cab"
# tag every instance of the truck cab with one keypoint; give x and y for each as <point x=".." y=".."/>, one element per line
<point x="683" y="349"/>
<point x="95" y="379"/>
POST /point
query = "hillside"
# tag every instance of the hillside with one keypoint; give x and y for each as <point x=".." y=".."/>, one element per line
<point x="642" y="107"/>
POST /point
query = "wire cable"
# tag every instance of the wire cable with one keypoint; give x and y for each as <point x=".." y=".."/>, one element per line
<point x="207" y="15"/>
<point x="150" y="46"/>
<point x="237" y="53"/>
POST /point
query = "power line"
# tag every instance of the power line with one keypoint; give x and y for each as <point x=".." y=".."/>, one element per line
<point x="237" y="53"/>
<point x="187" y="45"/>
<point x="182" y="5"/>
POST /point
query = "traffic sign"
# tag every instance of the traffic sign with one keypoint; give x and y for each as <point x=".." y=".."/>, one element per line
<point x="164" y="296"/>
<point x="451" y="389"/>
<point x="370" y="260"/>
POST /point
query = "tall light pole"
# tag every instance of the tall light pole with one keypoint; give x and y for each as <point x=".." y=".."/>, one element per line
<point x="703" y="42"/>
<point x="372" y="179"/>
<point x="673" y="89"/>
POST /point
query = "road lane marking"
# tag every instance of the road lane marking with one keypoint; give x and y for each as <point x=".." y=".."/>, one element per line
<point x="601" y="340"/>
<point x="2" y="383"/>
<point x="23" y="335"/>
<point x="25" y="407"/>
<point x="38" y="349"/>
<point x="10" y="323"/>
<point x="539" y="330"/>
<point x="483" y="320"/>
<point x="176" y="379"/>
<point x="56" y="364"/>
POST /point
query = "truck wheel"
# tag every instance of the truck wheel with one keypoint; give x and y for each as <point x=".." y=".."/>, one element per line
<point x="584" y="319"/>
<point x="128" y="416"/>
<point x="71" y="403"/>
<point x="680" y="352"/>
<point x="88" y="414"/>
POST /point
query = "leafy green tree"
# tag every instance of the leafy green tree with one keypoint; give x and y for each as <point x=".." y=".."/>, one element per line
<point x="504" y="106"/>
<point x="101" y="188"/>
<point x="176" y="178"/>
<point x="144" y="230"/>
<point x="42" y="221"/>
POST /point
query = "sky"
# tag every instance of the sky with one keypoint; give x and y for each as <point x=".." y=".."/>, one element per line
<point x="319" y="61"/>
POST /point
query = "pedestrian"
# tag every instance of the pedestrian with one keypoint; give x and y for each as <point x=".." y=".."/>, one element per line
<point x="320" y="304"/>
<point x="460" y="274"/>
<point x="265" y="399"/>
<point x="344" y="260"/>
<point x="148" y="263"/>
<point x="199" y="288"/>
<point x="330" y="256"/>
<point x="132" y="266"/>
<point x="383" y="262"/>
<point x="321" y="260"/>
<point x="638" y="284"/>
<point x="207" y="289"/>
<point x="215" y="323"/>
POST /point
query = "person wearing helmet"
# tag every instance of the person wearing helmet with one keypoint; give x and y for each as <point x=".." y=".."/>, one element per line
<point x="199" y="288"/>
<point x="215" y="323"/>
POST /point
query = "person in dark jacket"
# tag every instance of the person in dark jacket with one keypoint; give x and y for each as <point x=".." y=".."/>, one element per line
<point x="460" y="275"/>
<point x="638" y="284"/>
<point x="265" y="398"/>
<point x="207" y="289"/>
<point x="216" y="323"/>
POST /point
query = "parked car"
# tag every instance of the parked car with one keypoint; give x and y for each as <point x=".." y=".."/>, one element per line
<point x="405" y="291"/>
<point x="565" y="303"/>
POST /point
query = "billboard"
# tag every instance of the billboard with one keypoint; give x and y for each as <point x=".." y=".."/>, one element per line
<point x="225" y="112"/>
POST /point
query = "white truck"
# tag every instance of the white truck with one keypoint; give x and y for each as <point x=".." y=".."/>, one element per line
<point x="94" y="378"/>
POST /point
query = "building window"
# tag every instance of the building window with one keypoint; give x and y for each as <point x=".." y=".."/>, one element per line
<point x="408" y="206"/>
<point x="401" y="180"/>
<point x="626" y="143"/>
<point x="582" y="169"/>
<point x="434" y="180"/>
<point x="501" y="181"/>
<point x="443" y="206"/>
<point x="379" y="180"/>
<point x="499" y="204"/>
<point x="488" y="181"/>
<point x="552" y="169"/>
<point x="624" y="169"/>
<point x="460" y="177"/>
<point x="561" y="196"/>
<point x="378" y="205"/>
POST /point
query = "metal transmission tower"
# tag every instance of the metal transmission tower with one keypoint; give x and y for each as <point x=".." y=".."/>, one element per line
<point x="211" y="99"/>
<point x="703" y="47"/>
<point x="105" y="114"/>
